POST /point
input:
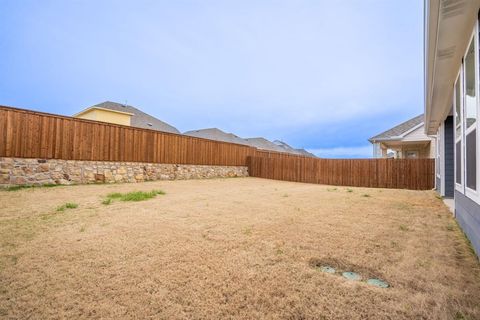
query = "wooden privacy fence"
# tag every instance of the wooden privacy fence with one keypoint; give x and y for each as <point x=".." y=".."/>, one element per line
<point x="416" y="174"/>
<point x="29" y="134"/>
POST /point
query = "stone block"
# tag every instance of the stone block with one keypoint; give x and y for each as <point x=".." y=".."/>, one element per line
<point x="6" y="165"/>
<point x="99" y="177"/>
<point x="19" y="180"/>
<point x="41" y="176"/>
<point x="4" y="178"/>
<point x="43" y="167"/>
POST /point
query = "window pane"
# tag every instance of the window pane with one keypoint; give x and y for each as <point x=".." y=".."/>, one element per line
<point x="458" y="162"/>
<point x="458" y="121"/>
<point x="471" y="156"/>
<point x="470" y="94"/>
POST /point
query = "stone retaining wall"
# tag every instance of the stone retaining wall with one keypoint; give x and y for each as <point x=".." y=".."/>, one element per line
<point x="21" y="171"/>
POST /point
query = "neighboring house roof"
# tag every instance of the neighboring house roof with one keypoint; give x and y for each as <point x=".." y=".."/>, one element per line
<point x="290" y="149"/>
<point x="399" y="131"/>
<point x="304" y="152"/>
<point x="286" y="147"/>
<point x="264" y="144"/>
<point x="139" y="118"/>
<point x="217" y="135"/>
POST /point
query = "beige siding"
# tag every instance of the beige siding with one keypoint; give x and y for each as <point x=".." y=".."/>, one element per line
<point x="106" y="116"/>
<point x="417" y="135"/>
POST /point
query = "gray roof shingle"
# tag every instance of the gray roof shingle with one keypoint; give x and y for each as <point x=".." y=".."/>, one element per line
<point x="139" y="118"/>
<point x="288" y="148"/>
<point x="304" y="152"/>
<point x="264" y="144"/>
<point x="217" y="135"/>
<point x="399" y="130"/>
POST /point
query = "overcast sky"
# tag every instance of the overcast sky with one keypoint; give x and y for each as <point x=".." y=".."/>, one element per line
<point x="320" y="75"/>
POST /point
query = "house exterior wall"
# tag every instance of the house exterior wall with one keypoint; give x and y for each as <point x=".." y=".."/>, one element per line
<point x="433" y="148"/>
<point x="467" y="213"/>
<point x="423" y="151"/>
<point x="417" y="135"/>
<point x="453" y="77"/>
<point x="377" y="150"/>
<point x="448" y="154"/>
<point x="416" y="141"/>
<point x="106" y="116"/>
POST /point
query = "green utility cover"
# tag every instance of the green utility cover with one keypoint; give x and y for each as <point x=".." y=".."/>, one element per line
<point x="327" y="269"/>
<point x="377" y="283"/>
<point x="351" y="276"/>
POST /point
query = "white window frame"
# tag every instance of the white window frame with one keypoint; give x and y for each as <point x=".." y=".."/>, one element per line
<point x="439" y="158"/>
<point x="458" y="186"/>
<point x="437" y="154"/>
<point x="468" y="192"/>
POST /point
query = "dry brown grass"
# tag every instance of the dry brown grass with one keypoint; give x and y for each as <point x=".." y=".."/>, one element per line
<point x="232" y="248"/>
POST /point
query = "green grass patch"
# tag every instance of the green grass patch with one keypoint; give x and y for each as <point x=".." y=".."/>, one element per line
<point x="349" y="190"/>
<point x="71" y="205"/>
<point x="248" y="231"/>
<point x="114" y="195"/>
<point x="403" y="227"/>
<point x="17" y="188"/>
<point x="68" y="205"/>
<point x="133" y="196"/>
<point x="107" y="201"/>
<point x="366" y="195"/>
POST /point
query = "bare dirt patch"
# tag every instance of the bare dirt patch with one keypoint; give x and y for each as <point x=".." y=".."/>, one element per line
<point x="232" y="248"/>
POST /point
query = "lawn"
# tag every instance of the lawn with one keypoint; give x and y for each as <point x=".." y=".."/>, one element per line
<point x="241" y="248"/>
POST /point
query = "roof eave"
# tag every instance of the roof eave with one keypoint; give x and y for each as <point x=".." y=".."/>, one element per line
<point x="100" y="108"/>
<point x="448" y="27"/>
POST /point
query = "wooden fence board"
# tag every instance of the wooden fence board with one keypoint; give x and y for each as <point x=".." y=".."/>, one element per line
<point x="416" y="174"/>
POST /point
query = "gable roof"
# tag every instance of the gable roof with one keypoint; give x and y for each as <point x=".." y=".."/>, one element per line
<point x="399" y="130"/>
<point x="304" y="152"/>
<point x="286" y="147"/>
<point x="264" y="144"/>
<point x="217" y="135"/>
<point x="290" y="149"/>
<point x="139" y="118"/>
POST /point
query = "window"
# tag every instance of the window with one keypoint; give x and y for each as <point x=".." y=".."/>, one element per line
<point x="458" y="131"/>
<point x="466" y="110"/>
<point x="470" y="116"/>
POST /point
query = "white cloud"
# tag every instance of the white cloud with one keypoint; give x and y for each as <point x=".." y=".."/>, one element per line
<point x="344" y="152"/>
